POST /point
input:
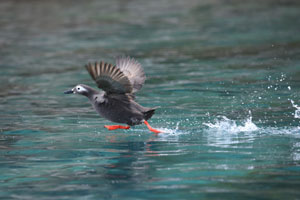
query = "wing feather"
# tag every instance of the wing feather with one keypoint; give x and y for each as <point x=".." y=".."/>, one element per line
<point x="133" y="70"/>
<point x="109" y="78"/>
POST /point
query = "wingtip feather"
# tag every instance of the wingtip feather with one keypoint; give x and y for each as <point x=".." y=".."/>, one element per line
<point x="109" y="77"/>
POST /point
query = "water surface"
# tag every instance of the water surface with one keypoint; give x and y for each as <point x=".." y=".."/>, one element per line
<point x="226" y="75"/>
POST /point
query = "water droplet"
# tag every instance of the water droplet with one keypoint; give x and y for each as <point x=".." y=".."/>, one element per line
<point x="297" y="111"/>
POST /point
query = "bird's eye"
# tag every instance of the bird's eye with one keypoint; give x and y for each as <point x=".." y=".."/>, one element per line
<point x="78" y="88"/>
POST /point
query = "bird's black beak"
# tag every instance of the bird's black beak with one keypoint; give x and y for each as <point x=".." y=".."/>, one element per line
<point x="69" y="92"/>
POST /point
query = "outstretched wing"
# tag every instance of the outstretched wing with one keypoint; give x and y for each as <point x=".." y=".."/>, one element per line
<point x="133" y="70"/>
<point x="109" y="78"/>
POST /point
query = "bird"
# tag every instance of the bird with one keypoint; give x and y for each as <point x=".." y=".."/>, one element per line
<point x="116" y="99"/>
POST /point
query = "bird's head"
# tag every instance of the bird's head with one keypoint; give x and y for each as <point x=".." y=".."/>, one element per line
<point x="79" y="89"/>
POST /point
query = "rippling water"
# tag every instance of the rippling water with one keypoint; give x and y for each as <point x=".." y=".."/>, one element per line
<point x="226" y="75"/>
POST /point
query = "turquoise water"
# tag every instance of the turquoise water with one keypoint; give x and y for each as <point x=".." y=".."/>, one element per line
<point x="226" y="75"/>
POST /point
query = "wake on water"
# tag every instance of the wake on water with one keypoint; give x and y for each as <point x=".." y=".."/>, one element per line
<point x="227" y="125"/>
<point x="224" y="125"/>
<point x="221" y="125"/>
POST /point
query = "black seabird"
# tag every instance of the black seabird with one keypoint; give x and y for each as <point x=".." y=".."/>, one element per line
<point x="116" y="102"/>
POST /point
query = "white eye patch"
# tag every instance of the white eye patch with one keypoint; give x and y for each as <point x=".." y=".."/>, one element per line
<point x="79" y="88"/>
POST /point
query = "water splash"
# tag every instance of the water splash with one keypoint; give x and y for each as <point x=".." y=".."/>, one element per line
<point x="297" y="111"/>
<point x="225" y="125"/>
<point x="168" y="131"/>
<point x="231" y="126"/>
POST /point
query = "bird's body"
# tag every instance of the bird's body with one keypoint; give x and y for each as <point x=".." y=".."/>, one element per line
<point x="116" y="103"/>
<point x="118" y="108"/>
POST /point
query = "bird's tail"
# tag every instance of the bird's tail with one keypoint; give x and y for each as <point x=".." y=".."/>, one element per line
<point x="148" y="114"/>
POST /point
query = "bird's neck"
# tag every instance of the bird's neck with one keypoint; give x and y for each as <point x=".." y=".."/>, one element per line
<point x="91" y="92"/>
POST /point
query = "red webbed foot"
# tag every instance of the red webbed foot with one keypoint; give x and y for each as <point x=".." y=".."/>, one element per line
<point x="152" y="129"/>
<point x="114" y="127"/>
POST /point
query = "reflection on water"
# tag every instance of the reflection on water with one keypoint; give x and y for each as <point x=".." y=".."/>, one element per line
<point x="208" y="64"/>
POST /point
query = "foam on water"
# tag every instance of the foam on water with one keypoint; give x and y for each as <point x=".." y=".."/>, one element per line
<point x="167" y="132"/>
<point x="297" y="111"/>
<point x="231" y="126"/>
<point x="171" y="132"/>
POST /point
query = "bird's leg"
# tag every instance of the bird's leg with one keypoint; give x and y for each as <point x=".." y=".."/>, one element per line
<point x="150" y="128"/>
<point x="114" y="127"/>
